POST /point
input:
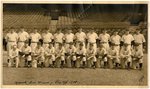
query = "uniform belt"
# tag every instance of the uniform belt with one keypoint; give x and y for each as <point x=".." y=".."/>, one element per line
<point x="21" y="41"/>
<point x="92" y="42"/>
<point x="137" y="44"/>
<point x="58" y="42"/>
<point x="11" y="41"/>
<point x="127" y="44"/>
<point x="46" y="42"/>
<point x="103" y="42"/>
<point x="68" y="42"/>
<point x="34" y="42"/>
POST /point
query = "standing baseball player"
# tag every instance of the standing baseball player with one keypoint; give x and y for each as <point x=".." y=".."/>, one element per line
<point x="113" y="57"/>
<point x="35" y="37"/>
<point x="22" y="37"/>
<point x="104" y="39"/>
<point x="60" y="56"/>
<point x="91" y="56"/>
<point x="92" y="37"/>
<point x="80" y="37"/>
<point x="137" y="57"/>
<point x="139" y="39"/>
<point x="11" y="39"/>
<point x="102" y="56"/>
<point x="26" y="55"/>
<point x="81" y="56"/>
<point x="115" y="41"/>
<point x="50" y="56"/>
<point x="38" y="55"/>
<point x="47" y="38"/>
<point x="71" y="55"/>
<point x="125" y="55"/>
<point x="69" y="38"/>
<point x="14" y="57"/>
<point x="58" y="38"/>
<point x="127" y="39"/>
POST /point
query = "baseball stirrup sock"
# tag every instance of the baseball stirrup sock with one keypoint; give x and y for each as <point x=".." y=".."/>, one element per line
<point x="128" y="64"/>
<point x="53" y="62"/>
<point x="8" y="60"/>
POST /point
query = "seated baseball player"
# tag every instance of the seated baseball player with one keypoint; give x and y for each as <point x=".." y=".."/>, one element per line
<point x="81" y="55"/>
<point x="60" y="54"/>
<point x="38" y="55"/>
<point x="26" y="54"/>
<point x="71" y="55"/>
<point x="102" y="56"/>
<point x="113" y="57"/>
<point x="14" y="57"/>
<point x="125" y="55"/>
<point x="50" y="55"/>
<point x="137" y="57"/>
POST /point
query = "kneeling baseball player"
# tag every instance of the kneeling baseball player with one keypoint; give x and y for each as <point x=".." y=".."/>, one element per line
<point x="50" y="55"/>
<point x="91" y="55"/>
<point x="26" y="54"/>
<point x="81" y="56"/>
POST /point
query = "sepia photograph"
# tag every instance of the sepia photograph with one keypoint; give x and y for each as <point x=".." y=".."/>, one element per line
<point x="73" y="44"/>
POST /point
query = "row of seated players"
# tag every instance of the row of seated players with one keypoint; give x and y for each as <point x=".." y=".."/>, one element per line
<point x="76" y="57"/>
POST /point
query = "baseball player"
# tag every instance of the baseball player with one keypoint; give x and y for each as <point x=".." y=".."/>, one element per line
<point x="58" y="38"/>
<point x="102" y="56"/>
<point x="104" y="39"/>
<point x="26" y="54"/>
<point x="71" y="55"/>
<point x="80" y="37"/>
<point x="125" y="55"/>
<point x="91" y="55"/>
<point x="60" y="55"/>
<point x="92" y="37"/>
<point x="35" y="37"/>
<point x="113" y="57"/>
<point x="50" y="55"/>
<point x="47" y="38"/>
<point x="22" y="37"/>
<point x="127" y="39"/>
<point x="115" y="40"/>
<point x="14" y="57"/>
<point x="139" y="39"/>
<point x="69" y="38"/>
<point x="137" y="57"/>
<point x="81" y="55"/>
<point x="11" y="39"/>
<point x="38" y="55"/>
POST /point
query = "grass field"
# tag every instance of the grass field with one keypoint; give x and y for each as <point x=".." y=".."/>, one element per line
<point x="70" y="76"/>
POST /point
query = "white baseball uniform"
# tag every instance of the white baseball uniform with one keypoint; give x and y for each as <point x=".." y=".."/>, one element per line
<point x="91" y="54"/>
<point x="104" y="39"/>
<point x="91" y="37"/>
<point x="11" y="39"/>
<point x="71" y="51"/>
<point x="115" y="39"/>
<point x="60" y="53"/>
<point x="58" y="38"/>
<point x="47" y="38"/>
<point x="113" y="55"/>
<point x="50" y="54"/>
<point x="26" y="50"/>
<point x="139" y="39"/>
<point x="127" y="39"/>
<point x="80" y="37"/>
<point x="68" y="39"/>
<point x="39" y="54"/>
<point x="14" y="55"/>
<point x="81" y="52"/>
<point x="35" y="37"/>
<point x="22" y="37"/>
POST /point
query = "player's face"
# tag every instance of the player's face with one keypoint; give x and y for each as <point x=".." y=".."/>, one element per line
<point x="50" y="45"/>
<point x="35" y="31"/>
<point x="69" y="31"/>
<point x="127" y="32"/>
<point x="115" y="33"/>
<point x="22" y="29"/>
<point x="12" y="30"/>
<point x="26" y="44"/>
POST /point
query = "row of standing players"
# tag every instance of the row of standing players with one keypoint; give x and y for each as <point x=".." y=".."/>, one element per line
<point x="73" y="50"/>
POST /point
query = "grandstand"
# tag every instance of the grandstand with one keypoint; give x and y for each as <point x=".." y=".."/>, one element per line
<point x="86" y="16"/>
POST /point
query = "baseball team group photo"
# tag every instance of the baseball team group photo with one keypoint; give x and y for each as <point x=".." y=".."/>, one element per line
<point x="92" y="44"/>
